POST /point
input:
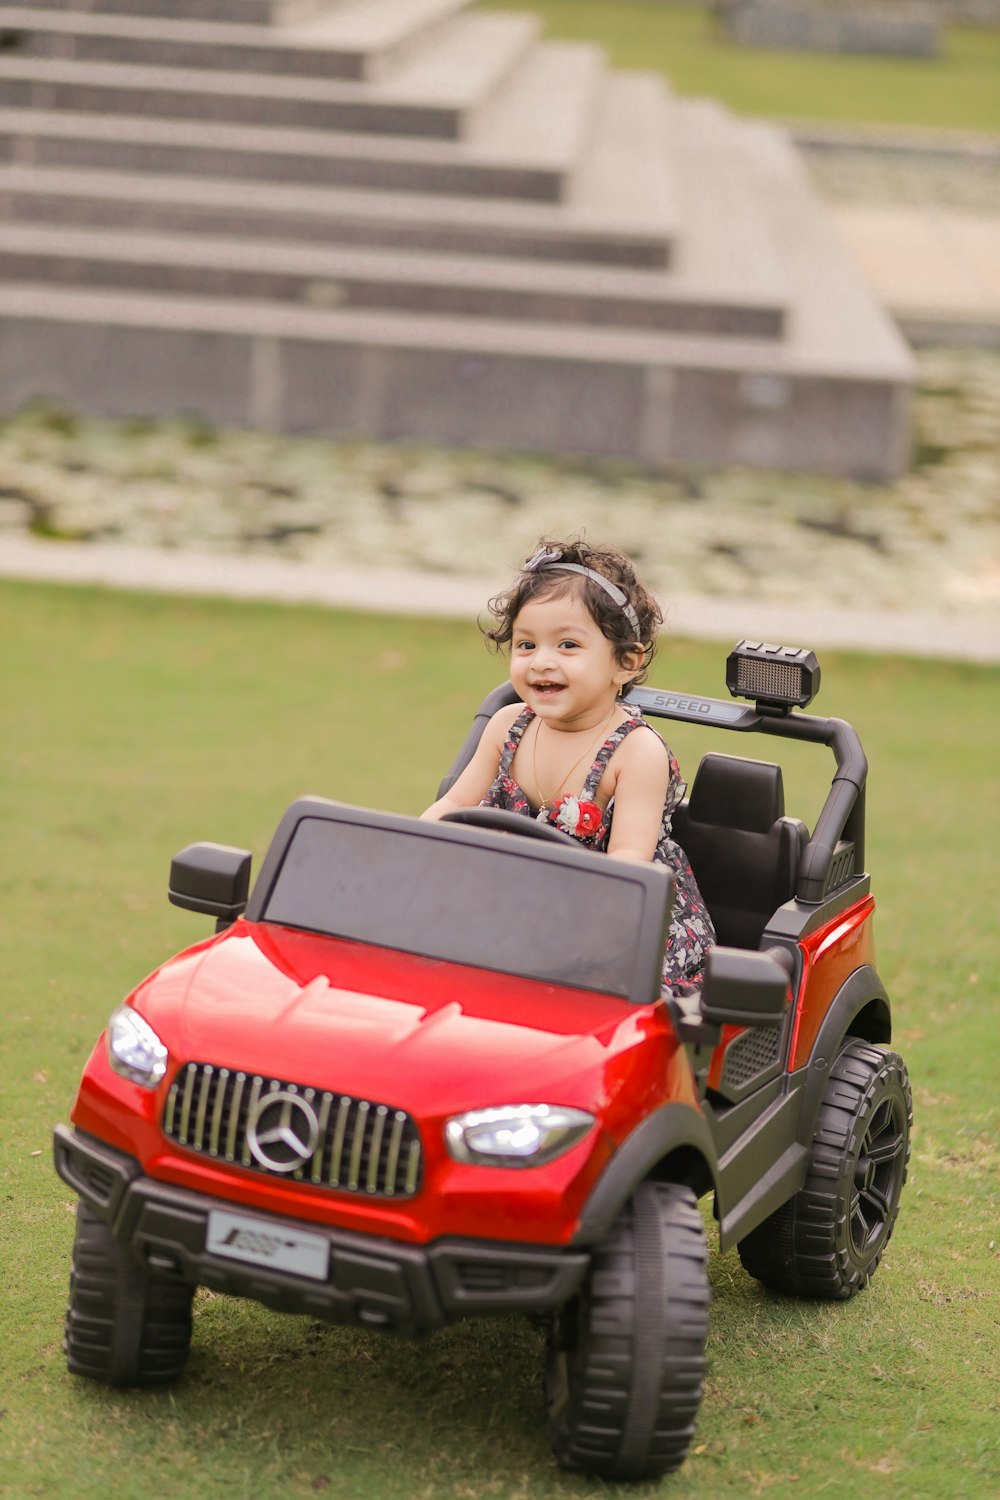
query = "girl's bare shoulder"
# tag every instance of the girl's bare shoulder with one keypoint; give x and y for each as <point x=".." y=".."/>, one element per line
<point x="504" y="718"/>
<point x="645" y="749"/>
<point x="495" y="734"/>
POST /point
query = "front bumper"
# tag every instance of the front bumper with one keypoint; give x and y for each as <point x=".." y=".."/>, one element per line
<point x="371" y="1280"/>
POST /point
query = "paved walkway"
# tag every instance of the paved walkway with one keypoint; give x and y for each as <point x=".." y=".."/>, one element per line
<point x="919" y="210"/>
<point x="969" y="636"/>
<point x="936" y="270"/>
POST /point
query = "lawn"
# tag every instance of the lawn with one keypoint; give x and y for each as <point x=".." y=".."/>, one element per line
<point x="959" y="90"/>
<point x="134" y="725"/>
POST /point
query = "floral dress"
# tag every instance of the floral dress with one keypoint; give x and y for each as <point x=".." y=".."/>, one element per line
<point x="691" y="931"/>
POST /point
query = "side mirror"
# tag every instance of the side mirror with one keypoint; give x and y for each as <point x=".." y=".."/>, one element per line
<point x="743" y="988"/>
<point x="211" y="878"/>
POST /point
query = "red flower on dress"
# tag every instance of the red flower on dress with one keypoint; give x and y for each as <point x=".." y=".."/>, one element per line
<point x="581" y="819"/>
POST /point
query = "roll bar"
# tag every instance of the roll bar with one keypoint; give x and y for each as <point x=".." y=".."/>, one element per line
<point x="841" y="822"/>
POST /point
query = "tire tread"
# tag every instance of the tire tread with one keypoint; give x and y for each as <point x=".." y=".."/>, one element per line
<point x="802" y="1247"/>
<point x="640" y="1378"/>
<point x="123" y="1326"/>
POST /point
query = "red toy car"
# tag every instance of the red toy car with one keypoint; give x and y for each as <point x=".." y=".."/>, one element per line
<point x="424" y="1071"/>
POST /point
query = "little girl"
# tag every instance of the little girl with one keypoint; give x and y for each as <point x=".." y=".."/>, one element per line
<point x="580" y="629"/>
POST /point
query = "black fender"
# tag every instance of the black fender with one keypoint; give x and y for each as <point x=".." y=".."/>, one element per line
<point x="861" y="1007"/>
<point x="674" y="1130"/>
<point x="99" y="1174"/>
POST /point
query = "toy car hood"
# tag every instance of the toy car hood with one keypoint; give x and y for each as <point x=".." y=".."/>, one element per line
<point x="431" y="1036"/>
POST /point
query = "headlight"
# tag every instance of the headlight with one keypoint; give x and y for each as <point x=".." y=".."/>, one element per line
<point x="134" y="1049"/>
<point x="516" y="1135"/>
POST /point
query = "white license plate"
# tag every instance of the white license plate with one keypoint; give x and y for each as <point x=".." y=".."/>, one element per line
<point x="262" y="1243"/>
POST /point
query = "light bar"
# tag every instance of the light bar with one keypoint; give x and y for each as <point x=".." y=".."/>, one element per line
<point x="780" y="677"/>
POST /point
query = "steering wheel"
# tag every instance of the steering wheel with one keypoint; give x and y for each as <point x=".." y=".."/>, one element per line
<point x="503" y="821"/>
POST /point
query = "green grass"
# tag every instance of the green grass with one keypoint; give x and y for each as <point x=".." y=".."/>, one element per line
<point x="960" y="89"/>
<point x="132" y="726"/>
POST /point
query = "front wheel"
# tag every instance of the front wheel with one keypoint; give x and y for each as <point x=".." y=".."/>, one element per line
<point x="828" y="1239"/>
<point x="626" y="1358"/>
<point x="123" y="1325"/>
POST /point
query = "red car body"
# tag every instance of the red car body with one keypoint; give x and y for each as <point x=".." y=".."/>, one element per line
<point x="425" y="1071"/>
<point x="430" y="1038"/>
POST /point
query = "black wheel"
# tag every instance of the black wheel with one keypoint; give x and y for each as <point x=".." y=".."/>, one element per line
<point x="626" y="1358"/>
<point x="123" y="1326"/>
<point x="503" y="821"/>
<point x="828" y="1239"/>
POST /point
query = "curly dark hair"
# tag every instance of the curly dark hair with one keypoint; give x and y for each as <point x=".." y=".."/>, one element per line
<point x="551" y="581"/>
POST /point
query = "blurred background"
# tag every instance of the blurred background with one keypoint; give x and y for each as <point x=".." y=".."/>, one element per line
<point x="392" y="288"/>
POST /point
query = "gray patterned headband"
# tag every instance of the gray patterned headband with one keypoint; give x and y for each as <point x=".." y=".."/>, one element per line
<point x="543" y="558"/>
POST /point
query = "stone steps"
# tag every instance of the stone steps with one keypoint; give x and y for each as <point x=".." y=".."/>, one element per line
<point x="434" y="92"/>
<point x="628" y="174"/>
<point x="659" y="399"/>
<point x="264" y="155"/>
<point x="833" y="323"/>
<point x="837" y="318"/>
<point x="463" y="225"/>
<point x="527" y="144"/>
<point x="479" y="238"/>
<point x="587" y="233"/>
<point x="711" y="168"/>
<point x="351" y="41"/>
<point x="240" y="12"/>
<point x="386" y="281"/>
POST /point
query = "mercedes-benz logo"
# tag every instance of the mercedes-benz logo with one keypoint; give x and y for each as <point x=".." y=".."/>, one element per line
<point x="282" y="1131"/>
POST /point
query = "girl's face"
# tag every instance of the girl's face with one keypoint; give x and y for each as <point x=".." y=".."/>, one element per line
<point x="562" y="665"/>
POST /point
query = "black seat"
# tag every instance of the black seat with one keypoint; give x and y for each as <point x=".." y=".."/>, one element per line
<point x="744" y="852"/>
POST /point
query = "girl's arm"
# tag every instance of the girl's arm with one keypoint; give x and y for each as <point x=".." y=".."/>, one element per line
<point x="480" y="774"/>
<point x="640" y="793"/>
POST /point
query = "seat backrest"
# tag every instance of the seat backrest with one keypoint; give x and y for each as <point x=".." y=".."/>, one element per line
<point x="744" y="852"/>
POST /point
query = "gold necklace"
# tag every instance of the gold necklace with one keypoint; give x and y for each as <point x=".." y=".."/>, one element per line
<point x="590" y="750"/>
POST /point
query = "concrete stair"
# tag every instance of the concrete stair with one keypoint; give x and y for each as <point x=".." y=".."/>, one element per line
<point x="410" y="219"/>
<point x="324" y="277"/>
<point x="526" y="144"/>
<point x="433" y="91"/>
<point x="353" y="42"/>
<point x="664" y="400"/>
<point x="389" y="220"/>
<point x="248" y="12"/>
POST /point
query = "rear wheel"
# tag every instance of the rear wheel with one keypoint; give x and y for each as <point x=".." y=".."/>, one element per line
<point x="626" y="1358"/>
<point x="123" y="1326"/>
<point x="828" y="1239"/>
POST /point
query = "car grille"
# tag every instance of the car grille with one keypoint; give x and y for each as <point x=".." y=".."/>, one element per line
<point x="292" y="1131"/>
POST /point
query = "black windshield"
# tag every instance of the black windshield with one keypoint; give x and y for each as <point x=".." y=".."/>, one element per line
<point x="485" y="906"/>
